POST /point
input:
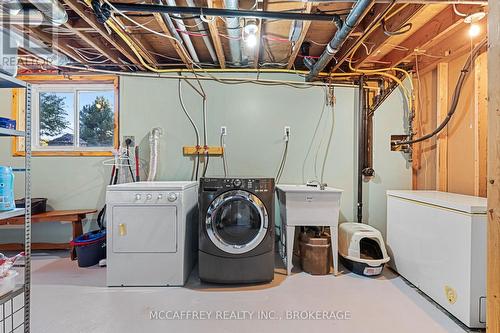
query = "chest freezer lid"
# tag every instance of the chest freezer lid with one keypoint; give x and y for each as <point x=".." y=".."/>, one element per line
<point x="464" y="203"/>
<point x="153" y="186"/>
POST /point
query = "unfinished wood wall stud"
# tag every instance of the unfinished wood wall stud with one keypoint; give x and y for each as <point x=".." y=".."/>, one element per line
<point x="442" y="138"/>
<point x="493" y="276"/>
<point x="480" y="124"/>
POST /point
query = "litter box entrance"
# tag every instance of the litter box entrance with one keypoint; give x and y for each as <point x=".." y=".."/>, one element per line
<point x="370" y="249"/>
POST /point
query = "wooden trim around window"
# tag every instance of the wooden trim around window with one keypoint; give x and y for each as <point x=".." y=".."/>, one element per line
<point x="76" y="79"/>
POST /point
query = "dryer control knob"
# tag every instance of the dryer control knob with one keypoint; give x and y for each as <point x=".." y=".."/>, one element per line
<point x="149" y="196"/>
<point x="137" y="197"/>
<point x="160" y="196"/>
<point x="237" y="182"/>
<point x="172" y="197"/>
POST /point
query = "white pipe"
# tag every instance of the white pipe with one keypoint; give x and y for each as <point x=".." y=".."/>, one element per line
<point x="154" y="142"/>
<point x="234" y="32"/>
<point x="53" y="11"/>
<point x="25" y="17"/>
<point x="185" y="37"/>
<point x="12" y="7"/>
<point x="206" y="40"/>
<point x="34" y="46"/>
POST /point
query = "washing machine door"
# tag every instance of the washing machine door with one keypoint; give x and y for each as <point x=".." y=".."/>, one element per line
<point x="236" y="221"/>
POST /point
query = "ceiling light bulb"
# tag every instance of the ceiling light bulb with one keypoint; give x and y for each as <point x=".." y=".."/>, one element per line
<point x="474" y="30"/>
<point x="251" y="40"/>
<point x="251" y="27"/>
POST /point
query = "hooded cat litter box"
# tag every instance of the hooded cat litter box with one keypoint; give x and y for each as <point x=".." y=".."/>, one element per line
<point x="362" y="249"/>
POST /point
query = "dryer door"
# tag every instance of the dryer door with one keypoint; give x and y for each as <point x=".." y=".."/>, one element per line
<point x="236" y="221"/>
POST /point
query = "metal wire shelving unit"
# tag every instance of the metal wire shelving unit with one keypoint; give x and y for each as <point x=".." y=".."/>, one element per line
<point x="15" y="305"/>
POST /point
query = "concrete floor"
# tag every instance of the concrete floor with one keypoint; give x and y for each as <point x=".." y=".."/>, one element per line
<point x="66" y="298"/>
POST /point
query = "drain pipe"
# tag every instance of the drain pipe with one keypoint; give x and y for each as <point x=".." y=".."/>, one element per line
<point x="52" y="10"/>
<point x="361" y="145"/>
<point x="234" y="32"/>
<point x="206" y="39"/>
<point x="187" y="41"/>
<point x="340" y="37"/>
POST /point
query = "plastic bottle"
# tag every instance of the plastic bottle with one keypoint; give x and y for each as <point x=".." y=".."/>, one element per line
<point x="6" y="189"/>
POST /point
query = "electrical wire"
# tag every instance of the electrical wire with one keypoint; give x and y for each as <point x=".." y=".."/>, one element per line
<point x="224" y="158"/>
<point x="400" y="31"/>
<point x="207" y="158"/>
<point x="315" y="133"/>
<point x="456" y="96"/>
<point x="282" y="163"/>
<point x="196" y="131"/>
<point x="330" y="137"/>
<point x="457" y="12"/>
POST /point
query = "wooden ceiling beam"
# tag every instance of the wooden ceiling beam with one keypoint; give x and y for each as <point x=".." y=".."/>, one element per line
<point x="141" y="45"/>
<point x="48" y="39"/>
<point x="179" y="48"/>
<point x="90" y="19"/>
<point x="374" y="14"/>
<point x="214" y="33"/>
<point x="256" y="54"/>
<point x="296" y="46"/>
<point x="378" y="37"/>
<point x="95" y="43"/>
<point x="447" y="48"/>
<point x="427" y="35"/>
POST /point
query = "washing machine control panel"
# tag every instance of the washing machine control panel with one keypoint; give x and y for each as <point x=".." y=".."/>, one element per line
<point x="253" y="184"/>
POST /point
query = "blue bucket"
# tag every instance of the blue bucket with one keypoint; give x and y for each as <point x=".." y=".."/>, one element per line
<point x="90" y="248"/>
<point x="6" y="188"/>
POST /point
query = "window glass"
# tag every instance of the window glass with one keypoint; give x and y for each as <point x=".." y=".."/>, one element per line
<point x="96" y="118"/>
<point x="56" y="119"/>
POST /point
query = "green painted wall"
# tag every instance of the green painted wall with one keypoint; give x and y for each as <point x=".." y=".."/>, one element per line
<point x="254" y="115"/>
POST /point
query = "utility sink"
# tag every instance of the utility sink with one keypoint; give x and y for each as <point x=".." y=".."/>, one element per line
<point x="302" y="205"/>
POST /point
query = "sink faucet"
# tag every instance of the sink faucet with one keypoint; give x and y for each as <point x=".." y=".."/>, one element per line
<point x="316" y="183"/>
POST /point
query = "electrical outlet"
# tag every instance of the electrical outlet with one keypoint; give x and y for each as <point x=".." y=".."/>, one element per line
<point x="286" y="133"/>
<point x="129" y="137"/>
<point x="223" y="130"/>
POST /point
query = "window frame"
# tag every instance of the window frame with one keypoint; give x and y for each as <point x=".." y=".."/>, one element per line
<point x="74" y="85"/>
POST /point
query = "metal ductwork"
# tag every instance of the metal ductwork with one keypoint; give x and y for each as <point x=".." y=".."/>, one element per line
<point x="234" y="32"/>
<point x="11" y="7"/>
<point x="49" y="12"/>
<point x="352" y="20"/>
<point x="206" y="39"/>
<point x="12" y="39"/>
<point x="182" y="28"/>
<point x="26" y="17"/>
<point x="52" y="10"/>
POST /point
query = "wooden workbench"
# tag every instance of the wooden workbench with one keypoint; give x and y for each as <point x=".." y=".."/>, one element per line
<point x="74" y="216"/>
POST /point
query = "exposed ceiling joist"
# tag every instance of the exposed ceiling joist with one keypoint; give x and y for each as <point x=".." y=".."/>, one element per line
<point x="140" y="44"/>
<point x="95" y="43"/>
<point x="379" y="36"/>
<point x="303" y="34"/>
<point x="181" y="51"/>
<point x="377" y="13"/>
<point x="256" y="56"/>
<point x="214" y="33"/>
<point x="421" y="39"/>
<point x="447" y="47"/>
<point x="49" y="40"/>
<point x="92" y="21"/>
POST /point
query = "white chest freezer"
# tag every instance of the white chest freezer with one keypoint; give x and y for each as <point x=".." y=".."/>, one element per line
<point x="437" y="241"/>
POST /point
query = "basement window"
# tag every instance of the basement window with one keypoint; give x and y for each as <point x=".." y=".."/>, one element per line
<point x="73" y="119"/>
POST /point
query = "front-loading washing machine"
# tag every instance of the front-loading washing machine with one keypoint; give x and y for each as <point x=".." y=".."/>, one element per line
<point x="152" y="230"/>
<point x="236" y="231"/>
